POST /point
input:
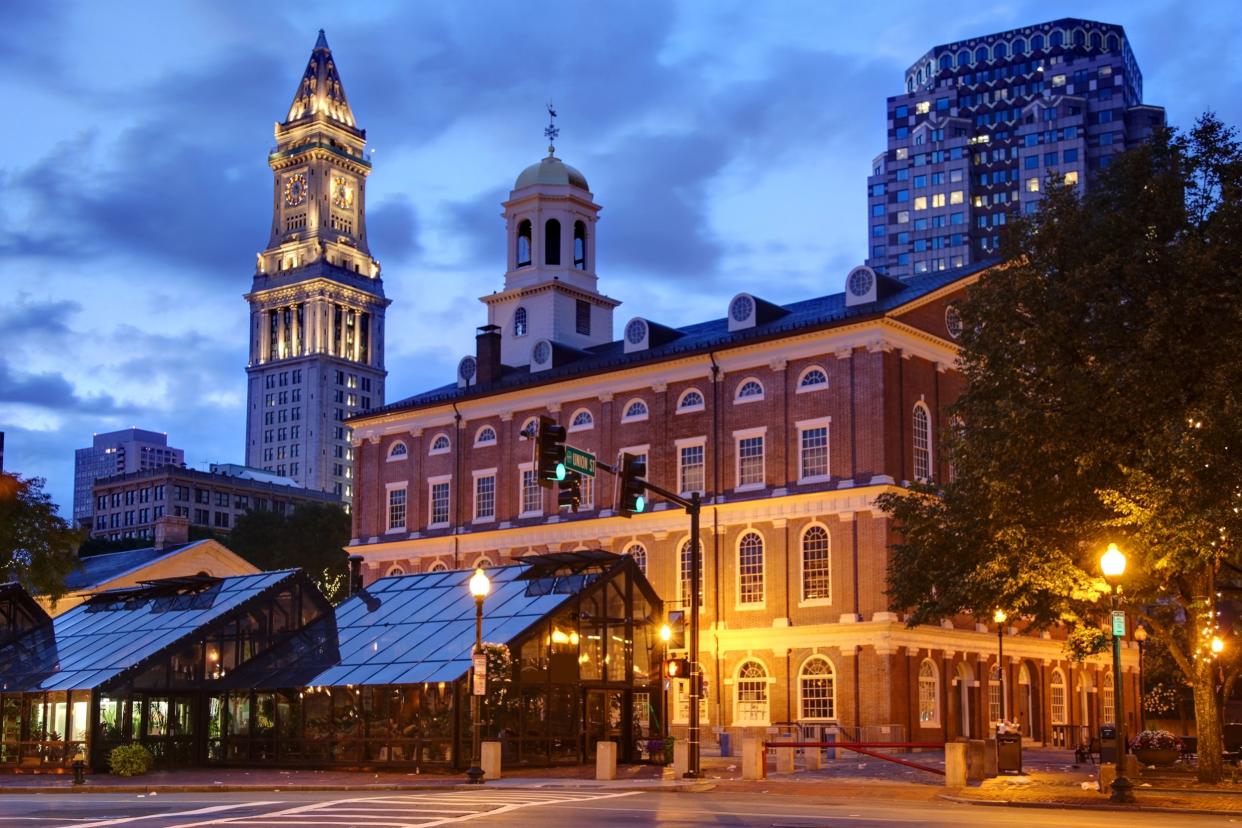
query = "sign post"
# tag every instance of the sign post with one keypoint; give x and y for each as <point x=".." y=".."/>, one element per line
<point x="1119" y="623"/>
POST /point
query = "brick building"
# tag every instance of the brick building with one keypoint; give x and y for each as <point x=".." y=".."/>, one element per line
<point x="789" y="420"/>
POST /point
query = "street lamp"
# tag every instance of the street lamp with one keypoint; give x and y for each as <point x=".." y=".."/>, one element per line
<point x="1113" y="565"/>
<point x="479" y="587"/>
<point x="999" y="617"/>
<point x="1140" y="635"/>
<point x="666" y="635"/>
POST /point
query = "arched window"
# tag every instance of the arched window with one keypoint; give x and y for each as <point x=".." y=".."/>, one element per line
<point x="812" y="378"/>
<point x="1057" y="38"/>
<point x="929" y="693"/>
<point x="817" y="696"/>
<point x="1037" y="43"/>
<point x="529" y="428"/>
<point x="691" y="400"/>
<point x="552" y="242"/>
<point x="816" y="565"/>
<point x="1019" y="46"/>
<point x="486" y="436"/>
<point x="963" y="58"/>
<point x="635" y="410"/>
<point x="440" y="444"/>
<point x="1097" y="41"/>
<point x="639" y="553"/>
<point x="519" y="322"/>
<point x="582" y="420"/>
<point x="922" y="442"/>
<point x="750" y="694"/>
<point x="1108" y="713"/>
<point x="1114" y="43"/>
<point x="1058" y="697"/>
<point x="523" y="243"/>
<point x="397" y="450"/>
<point x="1000" y="51"/>
<point x="1080" y="37"/>
<point x="685" y="562"/>
<point x="749" y="390"/>
<point x="750" y="569"/>
<point x="994" y="694"/>
<point x="394" y="571"/>
<point x="580" y="242"/>
<point x="946" y="61"/>
<point x="981" y="54"/>
<point x="484" y="562"/>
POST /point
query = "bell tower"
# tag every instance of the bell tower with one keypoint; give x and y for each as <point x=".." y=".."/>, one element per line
<point x="317" y="300"/>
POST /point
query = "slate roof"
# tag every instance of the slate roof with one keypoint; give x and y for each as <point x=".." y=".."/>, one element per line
<point x="96" y="570"/>
<point x="810" y="314"/>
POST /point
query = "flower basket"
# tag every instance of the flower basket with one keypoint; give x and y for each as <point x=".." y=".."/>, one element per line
<point x="1156" y="747"/>
<point x="1160" y="757"/>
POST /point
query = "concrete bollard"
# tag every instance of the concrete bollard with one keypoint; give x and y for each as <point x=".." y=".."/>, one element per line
<point x="605" y="760"/>
<point x="814" y="758"/>
<point x="976" y="761"/>
<point x="785" y="758"/>
<point x="491" y="760"/>
<point x="1107" y="774"/>
<point x="955" y="765"/>
<point x="681" y="758"/>
<point x="991" y="767"/>
<point x="753" y="766"/>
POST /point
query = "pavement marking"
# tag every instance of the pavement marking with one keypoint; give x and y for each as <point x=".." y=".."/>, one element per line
<point x="211" y="809"/>
<point x="664" y="811"/>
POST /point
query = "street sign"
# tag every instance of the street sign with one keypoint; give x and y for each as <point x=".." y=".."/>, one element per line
<point x="480" y="674"/>
<point x="583" y="462"/>
<point x="1119" y="623"/>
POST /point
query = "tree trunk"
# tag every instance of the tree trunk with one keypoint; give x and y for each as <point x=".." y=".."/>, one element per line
<point x="1207" y="722"/>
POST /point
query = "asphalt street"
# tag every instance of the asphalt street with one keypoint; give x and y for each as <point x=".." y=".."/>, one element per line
<point x="524" y="808"/>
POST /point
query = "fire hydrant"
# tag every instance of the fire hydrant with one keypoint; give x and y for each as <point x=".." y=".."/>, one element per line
<point x="79" y="768"/>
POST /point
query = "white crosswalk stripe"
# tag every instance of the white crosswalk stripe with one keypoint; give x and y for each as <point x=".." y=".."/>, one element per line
<point x="420" y="810"/>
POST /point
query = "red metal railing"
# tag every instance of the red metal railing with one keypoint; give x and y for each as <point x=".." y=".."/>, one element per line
<point x="865" y="748"/>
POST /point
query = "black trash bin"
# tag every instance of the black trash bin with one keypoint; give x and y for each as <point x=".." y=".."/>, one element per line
<point x="1009" y="753"/>
<point x="1108" y="745"/>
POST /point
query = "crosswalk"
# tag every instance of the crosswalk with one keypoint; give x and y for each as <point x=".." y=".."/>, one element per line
<point x="414" y="810"/>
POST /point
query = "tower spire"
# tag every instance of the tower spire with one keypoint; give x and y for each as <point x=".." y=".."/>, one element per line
<point x="320" y="91"/>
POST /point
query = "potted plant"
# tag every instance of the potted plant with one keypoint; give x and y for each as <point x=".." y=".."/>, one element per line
<point x="1156" y="747"/>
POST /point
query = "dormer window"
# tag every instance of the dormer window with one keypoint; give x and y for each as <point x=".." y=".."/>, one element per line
<point x="580" y="245"/>
<point x="552" y="242"/>
<point x="519" y="322"/>
<point x="523" y="243"/>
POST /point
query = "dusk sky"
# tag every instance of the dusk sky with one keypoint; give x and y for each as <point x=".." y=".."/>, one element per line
<point x="728" y="142"/>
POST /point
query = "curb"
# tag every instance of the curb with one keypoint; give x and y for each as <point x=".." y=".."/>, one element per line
<point x="1081" y="806"/>
<point x="696" y="787"/>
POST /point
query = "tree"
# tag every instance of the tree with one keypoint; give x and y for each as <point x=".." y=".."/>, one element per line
<point x="38" y="548"/>
<point x="1102" y="402"/>
<point x="312" y="536"/>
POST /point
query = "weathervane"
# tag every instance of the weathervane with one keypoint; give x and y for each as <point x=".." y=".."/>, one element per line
<point x="551" y="132"/>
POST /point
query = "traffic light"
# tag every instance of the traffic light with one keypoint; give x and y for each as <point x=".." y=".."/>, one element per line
<point x="569" y="493"/>
<point x="631" y="490"/>
<point x="677" y="668"/>
<point x="549" y="452"/>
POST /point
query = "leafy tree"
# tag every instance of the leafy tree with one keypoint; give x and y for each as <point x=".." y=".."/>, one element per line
<point x="38" y="548"/>
<point x="312" y="536"/>
<point x="1102" y="403"/>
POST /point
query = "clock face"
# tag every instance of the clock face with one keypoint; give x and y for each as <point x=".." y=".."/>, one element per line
<point x="295" y="190"/>
<point x="342" y="192"/>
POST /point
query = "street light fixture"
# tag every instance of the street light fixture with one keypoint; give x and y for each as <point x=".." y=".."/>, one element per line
<point x="1218" y="646"/>
<point x="999" y="617"/>
<point x="479" y="587"/>
<point x="1113" y="565"/>
<point x="1140" y="635"/>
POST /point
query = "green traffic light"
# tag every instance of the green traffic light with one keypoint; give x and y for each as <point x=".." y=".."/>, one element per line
<point x="560" y="471"/>
<point x="640" y="503"/>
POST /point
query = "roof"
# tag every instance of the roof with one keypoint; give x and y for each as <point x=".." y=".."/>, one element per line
<point x="810" y="314"/>
<point x="95" y="570"/>
<point x="320" y="91"/>
<point x="19" y="613"/>
<point x="416" y="628"/>
<point x="551" y="170"/>
<point x="118" y="631"/>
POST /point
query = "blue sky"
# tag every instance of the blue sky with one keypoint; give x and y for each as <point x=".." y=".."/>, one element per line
<point x="728" y="143"/>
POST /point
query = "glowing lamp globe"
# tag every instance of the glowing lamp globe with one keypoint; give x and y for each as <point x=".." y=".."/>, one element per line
<point x="999" y="616"/>
<point x="665" y="633"/>
<point x="1140" y="633"/>
<point x="479" y="584"/>
<point x="1113" y="562"/>
<point x="1218" y="646"/>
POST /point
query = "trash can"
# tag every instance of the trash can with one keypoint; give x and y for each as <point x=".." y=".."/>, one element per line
<point x="1009" y="753"/>
<point x="1108" y="745"/>
<point x="726" y="744"/>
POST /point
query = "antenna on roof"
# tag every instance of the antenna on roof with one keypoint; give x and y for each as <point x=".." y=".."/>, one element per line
<point x="551" y="131"/>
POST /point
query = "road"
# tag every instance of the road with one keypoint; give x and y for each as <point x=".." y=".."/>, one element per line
<point x="521" y="808"/>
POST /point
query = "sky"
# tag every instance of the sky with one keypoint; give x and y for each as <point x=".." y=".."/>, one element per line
<point x="728" y="141"/>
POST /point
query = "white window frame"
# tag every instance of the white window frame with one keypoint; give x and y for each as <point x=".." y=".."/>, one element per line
<point x="626" y="417"/>
<point x="690" y="442"/>
<point x="933" y="719"/>
<point x="738" y="437"/>
<point x="1052" y="697"/>
<point x="395" y="570"/>
<point x="806" y="425"/>
<point x="914" y="442"/>
<point x="629" y="550"/>
<point x="832" y="698"/>
<point x="438" y="566"/>
<point x="819" y="386"/>
<point x="590" y="424"/>
<point x="523" y="468"/>
<point x="682" y="408"/>
<point x="432" y="482"/>
<point x="767" y="681"/>
<point x="683" y="584"/>
<point x="475" y="476"/>
<point x="738" y="603"/>
<point x="738" y="399"/>
<point x="392" y="457"/>
<point x="448" y="444"/>
<point x="803" y="601"/>
<point x="994" y="694"/>
<point x="484" y="562"/>
<point x="389" y="488"/>
<point x="1108" y="704"/>
<point x="478" y="436"/>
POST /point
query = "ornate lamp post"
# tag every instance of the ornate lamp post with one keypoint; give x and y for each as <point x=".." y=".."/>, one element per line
<point x="666" y="635"/>
<point x="999" y="617"/>
<point x="1113" y="565"/>
<point x="1140" y="635"/>
<point x="479" y="587"/>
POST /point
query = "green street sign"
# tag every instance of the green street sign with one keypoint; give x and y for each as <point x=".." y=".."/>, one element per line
<point x="583" y="462"/>
<point x="1119" y="623"/>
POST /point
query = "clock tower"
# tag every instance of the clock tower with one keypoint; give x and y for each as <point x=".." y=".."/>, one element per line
<point x="317" y="301"/>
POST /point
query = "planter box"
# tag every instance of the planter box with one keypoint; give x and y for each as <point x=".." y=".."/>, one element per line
<point x="1160" y="757"/>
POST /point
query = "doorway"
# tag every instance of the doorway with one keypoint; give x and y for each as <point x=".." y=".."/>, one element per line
<point x="604" y="720"/>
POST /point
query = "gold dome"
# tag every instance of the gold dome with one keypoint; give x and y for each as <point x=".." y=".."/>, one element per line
<point x="551" y="170"/>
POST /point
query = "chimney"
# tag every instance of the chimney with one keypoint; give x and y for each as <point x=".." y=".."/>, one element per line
<point x="171" y="531"/>
<point x="355" y="574"/>
<point x="487" y="354"/>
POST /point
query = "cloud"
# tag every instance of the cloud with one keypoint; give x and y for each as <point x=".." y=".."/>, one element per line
<point x="51" y="391"/>
<point x="40" y="317"/>
<point x="392" y="229"/>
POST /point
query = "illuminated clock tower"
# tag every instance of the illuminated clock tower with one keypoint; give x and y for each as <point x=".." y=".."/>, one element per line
<point x="317" y="301"/>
